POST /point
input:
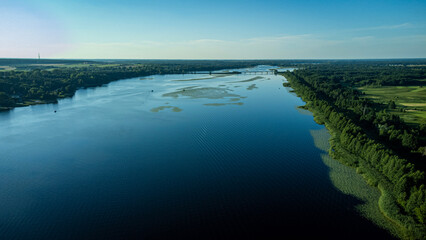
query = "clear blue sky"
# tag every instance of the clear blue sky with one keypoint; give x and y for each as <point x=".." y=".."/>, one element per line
<point x="221" y="29"/>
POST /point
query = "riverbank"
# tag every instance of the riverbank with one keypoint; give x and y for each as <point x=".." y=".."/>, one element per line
<point x="399" y="223"/>
<point x="348" y="181"/>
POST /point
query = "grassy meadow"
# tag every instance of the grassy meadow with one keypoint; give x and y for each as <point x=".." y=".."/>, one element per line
<point x="410" y="100"/>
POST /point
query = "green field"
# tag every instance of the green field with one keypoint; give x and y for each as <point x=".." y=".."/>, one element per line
<point x="410" y="101"/>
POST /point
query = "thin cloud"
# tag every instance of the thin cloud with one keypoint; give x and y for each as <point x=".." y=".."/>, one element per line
<point x="384" y="27"/>
<point x="278" y="38"/>
<point x="206" y="41"/>
<point x="363" y="38"/>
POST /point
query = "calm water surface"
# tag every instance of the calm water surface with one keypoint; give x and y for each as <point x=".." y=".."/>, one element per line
<point x="172" y="156"/>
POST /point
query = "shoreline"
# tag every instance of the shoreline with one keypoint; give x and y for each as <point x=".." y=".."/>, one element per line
<point x="405" y="226"/>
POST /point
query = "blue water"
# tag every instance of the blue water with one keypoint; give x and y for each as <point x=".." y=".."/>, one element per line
<point x="171" y="157"/>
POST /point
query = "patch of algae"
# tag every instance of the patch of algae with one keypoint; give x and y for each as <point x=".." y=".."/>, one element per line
<point x="249" y="80"/>
<point x="251" y="87"/>
<point x="174" y="109"/>
<point x="346" y="180"/>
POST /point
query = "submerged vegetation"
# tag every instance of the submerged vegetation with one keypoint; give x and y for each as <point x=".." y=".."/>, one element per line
<point x="385" y="150"/>
<point x="174" y="109"/>
<point x="348" y="181"/>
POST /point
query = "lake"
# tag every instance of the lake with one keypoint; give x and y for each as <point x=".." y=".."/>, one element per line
<point x="192" y="156"/>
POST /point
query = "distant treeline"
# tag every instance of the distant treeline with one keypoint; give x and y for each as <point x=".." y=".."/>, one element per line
<point x="363" y="74"/>
<point x="27" y="61"/>
<point x="377" y="143"/>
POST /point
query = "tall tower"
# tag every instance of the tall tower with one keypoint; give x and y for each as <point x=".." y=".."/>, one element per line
<point x="38" y="56"/>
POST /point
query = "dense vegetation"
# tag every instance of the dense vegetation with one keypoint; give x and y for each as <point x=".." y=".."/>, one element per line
<point x="385" y="150"/>
<point x="338" y="84"/>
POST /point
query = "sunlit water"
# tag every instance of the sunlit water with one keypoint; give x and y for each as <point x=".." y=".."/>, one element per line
<point x="172" y="156"/>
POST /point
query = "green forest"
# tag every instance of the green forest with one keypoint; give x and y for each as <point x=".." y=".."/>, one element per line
<point x="368" y="135"/>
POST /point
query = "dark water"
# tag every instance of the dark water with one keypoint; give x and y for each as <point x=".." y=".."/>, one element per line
<point x="160" y="158"/>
